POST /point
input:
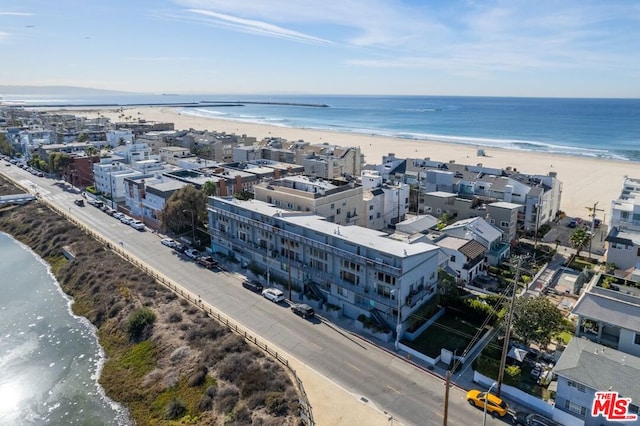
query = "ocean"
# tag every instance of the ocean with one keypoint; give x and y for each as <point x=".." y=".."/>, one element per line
<point x="600" y="128"/>
<point x="49" y="358"/>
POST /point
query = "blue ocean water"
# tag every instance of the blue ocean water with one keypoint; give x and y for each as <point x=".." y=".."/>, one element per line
<point x="49" y="358"/>
<point x="606" y="128"/>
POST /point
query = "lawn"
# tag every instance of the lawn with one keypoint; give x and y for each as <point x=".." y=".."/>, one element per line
<point x="449" y="331"/>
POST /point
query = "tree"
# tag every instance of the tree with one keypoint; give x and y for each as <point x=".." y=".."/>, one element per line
<point x="210" y="188"/>
<point x="185" y="204"/>
<point x="5" y="146"/>
<point x="579" y="239"/>
<point x="536" y="319"/>
<point x="448" y="287"/>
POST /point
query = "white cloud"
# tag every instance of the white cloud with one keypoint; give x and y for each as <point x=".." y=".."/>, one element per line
<point x="160" y="58"/>
<point x="257" y="27"/>
<point x="15" y="14"/>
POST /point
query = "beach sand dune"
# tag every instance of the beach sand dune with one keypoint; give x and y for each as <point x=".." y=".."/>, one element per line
<point x="585" y="180"/>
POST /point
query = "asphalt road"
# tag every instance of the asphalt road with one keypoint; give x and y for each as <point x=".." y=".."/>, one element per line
<point x="410" y="394"/>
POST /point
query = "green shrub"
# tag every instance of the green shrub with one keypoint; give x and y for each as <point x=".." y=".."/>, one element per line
<point x="139" y="322"/>
<point x="512" y="375"/>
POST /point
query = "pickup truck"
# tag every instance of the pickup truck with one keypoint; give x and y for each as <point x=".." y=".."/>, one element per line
<point x="207" y="261"/>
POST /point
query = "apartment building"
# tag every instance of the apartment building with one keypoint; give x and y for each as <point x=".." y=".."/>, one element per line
<point x="623" y="241"/>
<point x="360" y="270"/>
<point x="538" y="196"/>
<point x="385" y="203"/>
<point x="338" y="201"/>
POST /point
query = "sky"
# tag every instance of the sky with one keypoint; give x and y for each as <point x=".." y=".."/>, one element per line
<point x="548" y="48"/>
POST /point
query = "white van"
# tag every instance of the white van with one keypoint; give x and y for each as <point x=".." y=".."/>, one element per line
<point x="273" y="294"/>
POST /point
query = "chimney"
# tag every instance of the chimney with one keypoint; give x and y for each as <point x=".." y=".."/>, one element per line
<point x="276" y="173"/>
<point x="238" y="183"/>
<point x="223" y="187"/>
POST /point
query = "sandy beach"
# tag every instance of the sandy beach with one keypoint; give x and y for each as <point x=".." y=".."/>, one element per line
<point x="585" y="180"/>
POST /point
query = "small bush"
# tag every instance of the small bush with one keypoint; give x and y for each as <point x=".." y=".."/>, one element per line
<point x="198" y="377"/>
<point x="276" y="404"/>
<point x="227" y="398"/>
<point x="205" y="403"/>
<point x="175" y="409"/>
<point x="175" y="317"/>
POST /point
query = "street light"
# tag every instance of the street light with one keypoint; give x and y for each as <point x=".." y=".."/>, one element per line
<point x="486" y="398"/>
<point x="396" y="293"/>
<point x="193" y="227"/>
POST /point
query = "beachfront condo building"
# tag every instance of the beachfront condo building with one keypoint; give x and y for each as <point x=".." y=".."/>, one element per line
<point x="353" y="269"/>
<point x="623" y="241"/>
<point x="538" y="196"/>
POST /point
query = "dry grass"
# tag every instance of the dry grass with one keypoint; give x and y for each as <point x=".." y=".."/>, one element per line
<point x="187" y="368"/>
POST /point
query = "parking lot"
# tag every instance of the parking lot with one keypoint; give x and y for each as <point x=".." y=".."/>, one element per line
<point x="561" y="231"/>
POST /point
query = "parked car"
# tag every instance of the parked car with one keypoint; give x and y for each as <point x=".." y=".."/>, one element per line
<point x="273" y="294"/>
<point x="597" y="223"/>
<point x="192" y="254"/>
<point x="136" y="224"/>
<point x="573" y="223"/>
<point x="179" y="247"/>
<point x="126" y="219"/>
<point x="117" y="215"/>
<point x="207" y="261"/>
<point x="79" y="202"/>
<point x="532" y="419"/>
<point x="495" y="405"/>
<point x="252" y="285"/>
<point x="303" y="310"/>
<point x="168" y="242"/>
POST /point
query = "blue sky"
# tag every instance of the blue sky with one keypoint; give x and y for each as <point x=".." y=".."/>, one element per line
<point x="561" y="48"/>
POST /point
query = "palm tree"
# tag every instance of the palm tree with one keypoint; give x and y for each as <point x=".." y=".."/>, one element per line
<point x="578" y="239"/>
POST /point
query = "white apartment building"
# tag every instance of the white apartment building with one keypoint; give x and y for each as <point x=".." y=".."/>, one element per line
<point x="109" y="179"/>
<point x="360" y="270"/>
<point x="117" y="137"/>
<point x="385" y="204"/>
<point x="623" y="240"/>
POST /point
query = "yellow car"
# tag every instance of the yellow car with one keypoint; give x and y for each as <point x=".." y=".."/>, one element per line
<point x="495" y="405"/>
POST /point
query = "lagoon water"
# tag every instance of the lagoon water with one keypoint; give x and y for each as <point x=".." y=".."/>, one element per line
<point x="49" y="358"/>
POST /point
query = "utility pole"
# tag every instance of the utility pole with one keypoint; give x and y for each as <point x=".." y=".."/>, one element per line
<point x="446" y="398"/>
<point x="507" y="331"/>
<point x="593" y="211"/>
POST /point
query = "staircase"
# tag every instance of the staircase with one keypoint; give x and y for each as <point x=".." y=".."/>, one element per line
<point x="379" y="318"/>
<point x="311" y="286"/>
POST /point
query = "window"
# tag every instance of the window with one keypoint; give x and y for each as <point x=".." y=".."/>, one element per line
<point x="504" y="224"/>
<point x="338" y="211"/>
<point x="575" y="408"/>
<point x="636" y="340"/>
<point x="371" y="207"/>
<point x="576" y="385"/>
<point x="452" y="258"/>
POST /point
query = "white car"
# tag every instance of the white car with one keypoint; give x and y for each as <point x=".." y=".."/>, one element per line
<point x="136" y="224"/>
<point x="273" y="294"/>
<point x="126" y="219"/>
<point x="168" y="242"/>
<point x="192" y="253"/>
<point x="117" y="215"/>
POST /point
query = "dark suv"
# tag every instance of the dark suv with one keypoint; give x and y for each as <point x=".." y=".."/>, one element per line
<point x="532" y="419"/>
<point x="303" y="310"/>
<point x="252" y="285"/>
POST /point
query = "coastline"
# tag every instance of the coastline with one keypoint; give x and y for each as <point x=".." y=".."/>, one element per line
<point x="585" y="180"/>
